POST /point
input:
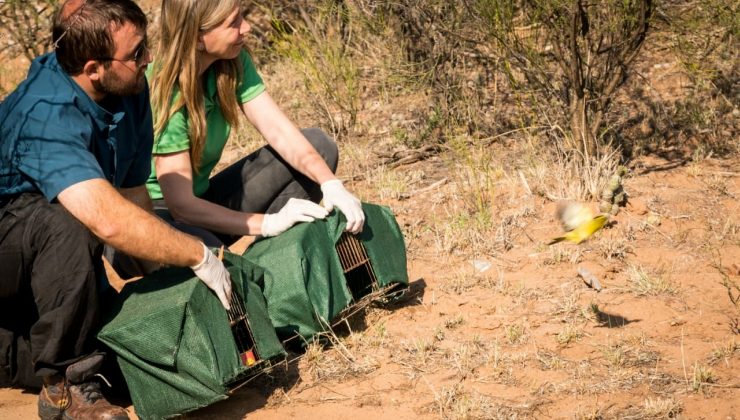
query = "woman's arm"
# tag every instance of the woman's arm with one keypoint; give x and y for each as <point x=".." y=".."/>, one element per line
<point x="285" y="138"/>
<point x="175" y="176"/>
<point x="292" y="146"/>
<point x="175" y="179"/>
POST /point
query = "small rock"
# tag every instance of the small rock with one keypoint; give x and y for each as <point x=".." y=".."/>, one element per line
<point x="481" y="266"/>
<point x="588" y="278"/>
<point x="654" y="219"/>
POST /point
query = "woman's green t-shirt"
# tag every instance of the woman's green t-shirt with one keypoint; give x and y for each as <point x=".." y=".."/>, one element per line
<point x="175" y="137"/>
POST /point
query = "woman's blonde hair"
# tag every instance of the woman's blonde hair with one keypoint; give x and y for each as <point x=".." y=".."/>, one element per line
<point x="176" y="65"/>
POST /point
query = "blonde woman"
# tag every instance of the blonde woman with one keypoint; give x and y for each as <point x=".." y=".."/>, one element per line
<point x="202" y="79"/>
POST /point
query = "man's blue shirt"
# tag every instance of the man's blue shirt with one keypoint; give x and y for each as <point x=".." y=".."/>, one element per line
<point x="53" y="135"/>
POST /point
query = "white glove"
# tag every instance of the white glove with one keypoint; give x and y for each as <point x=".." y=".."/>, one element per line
<point x="335" y="195"/>
<point x="294" y="211"/>
<point x="213" y="273"/>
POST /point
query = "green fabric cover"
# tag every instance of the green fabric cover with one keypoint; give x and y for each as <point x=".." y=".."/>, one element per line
<point x="304" y="284"/>
<point x="172" y="336"/>
<point x="173" y="340"/>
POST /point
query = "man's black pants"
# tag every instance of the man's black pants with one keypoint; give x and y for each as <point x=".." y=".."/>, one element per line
<point x="50" y="266"/>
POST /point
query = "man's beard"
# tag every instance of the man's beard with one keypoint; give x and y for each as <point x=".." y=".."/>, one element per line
<point x="111" y="84"/>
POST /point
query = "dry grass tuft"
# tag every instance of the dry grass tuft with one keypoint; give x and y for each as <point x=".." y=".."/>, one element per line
<point x="622" y="355"/>
<point x="515" y="334"/>
<point x="419" y="356"/>
<point x="569" y="335"/>
<point x="725" y="352"/>
<point x="558" y="175"/>
<point x="456" y="403"/>
<point x="460" y="283"/>
<point x="469" y="356"/>
<point x="658" y="408"/>
<point x="390" y="184"/>
<point x="616" y="249"/>
<point x="455" y="322"/>
<point x="568" y="307"/>
<point x="563" y="253"/>
<point x="645" y="283"/>
<point x="718" y="185"/>
<point x="338" y="362"/>
<point x="550" y="361"/>
<point x="701" y="377"/>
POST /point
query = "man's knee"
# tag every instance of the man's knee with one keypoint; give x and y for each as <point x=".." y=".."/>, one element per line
<point x="323" y="144"/>
<point x="41" y="227"/>
<point x="61" y="236"/>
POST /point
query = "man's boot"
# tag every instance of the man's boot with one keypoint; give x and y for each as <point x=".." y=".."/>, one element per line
<point x="77" y="395"/>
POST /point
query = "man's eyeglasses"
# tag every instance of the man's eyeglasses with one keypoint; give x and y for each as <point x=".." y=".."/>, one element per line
<point x="139" y="55"/>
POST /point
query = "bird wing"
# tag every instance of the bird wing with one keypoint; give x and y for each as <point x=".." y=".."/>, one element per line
<point x="583" y="231"/>
<point x="573" y="214"/>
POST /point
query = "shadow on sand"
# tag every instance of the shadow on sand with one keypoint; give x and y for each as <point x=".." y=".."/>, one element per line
<point x="607" y="320"/>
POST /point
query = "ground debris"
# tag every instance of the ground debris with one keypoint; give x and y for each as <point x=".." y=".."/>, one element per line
<point x="588" y="278"/>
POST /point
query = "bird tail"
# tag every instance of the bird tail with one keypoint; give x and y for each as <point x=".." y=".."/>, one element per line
<point x="556" y="240"/>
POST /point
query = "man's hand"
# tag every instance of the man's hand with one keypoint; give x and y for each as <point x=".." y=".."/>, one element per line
<point x="213" y="273"/>
<point x="294" y="211"/>
<point x="335" y="195"/>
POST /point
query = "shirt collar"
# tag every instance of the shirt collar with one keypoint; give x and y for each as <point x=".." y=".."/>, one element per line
<point x="102" y="117"/>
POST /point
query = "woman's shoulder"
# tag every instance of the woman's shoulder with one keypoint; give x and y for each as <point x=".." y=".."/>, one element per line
<point x="246" y="60"/>
<point x="251" y="84"/>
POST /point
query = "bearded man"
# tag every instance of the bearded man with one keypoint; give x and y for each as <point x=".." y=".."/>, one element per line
<point x="75" y="153"/>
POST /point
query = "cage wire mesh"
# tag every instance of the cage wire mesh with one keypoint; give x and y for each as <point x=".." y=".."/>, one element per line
<point x="358" y="271"/>
<point x="364" y="288"/>
<point x="242" y="331"/>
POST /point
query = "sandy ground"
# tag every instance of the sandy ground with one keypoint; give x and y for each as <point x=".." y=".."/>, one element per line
<point x="510" y="331"/>
<point x="519" y="340"/>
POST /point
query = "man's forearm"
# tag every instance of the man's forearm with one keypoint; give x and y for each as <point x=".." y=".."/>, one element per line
<point x="127" y="227"/>
<point x="143" y="235"/>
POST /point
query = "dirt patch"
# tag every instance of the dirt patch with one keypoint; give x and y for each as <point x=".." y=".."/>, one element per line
<point x="500" y="325"/>
<point x="526" y="337"/>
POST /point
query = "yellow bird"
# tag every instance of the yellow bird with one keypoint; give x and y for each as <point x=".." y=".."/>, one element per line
<point x="583" y="231"/>
<point x="573" y="214"/>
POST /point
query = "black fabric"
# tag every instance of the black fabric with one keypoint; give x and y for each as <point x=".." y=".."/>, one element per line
<point x="261" y="182"/>
<point x="4" y="200"/>
<point x="50" y="271"/>
<point x="208" y="237"/>
<point x="84" y="370"/>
